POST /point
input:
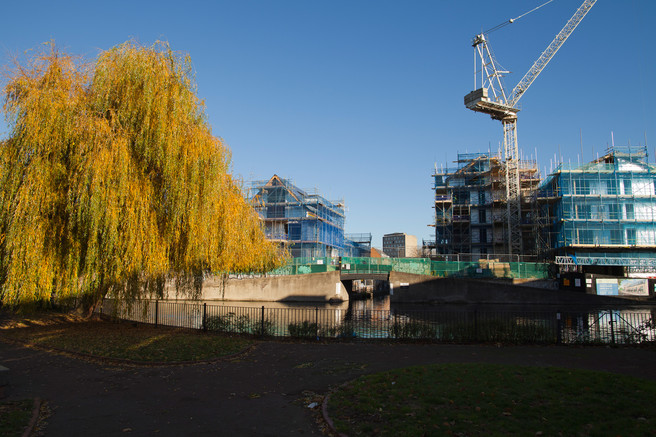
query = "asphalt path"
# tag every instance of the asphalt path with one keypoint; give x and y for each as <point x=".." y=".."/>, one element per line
<point x="264" y="392"/>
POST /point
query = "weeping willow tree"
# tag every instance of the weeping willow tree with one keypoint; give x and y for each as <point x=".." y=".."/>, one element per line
<point x="112" y="182"/>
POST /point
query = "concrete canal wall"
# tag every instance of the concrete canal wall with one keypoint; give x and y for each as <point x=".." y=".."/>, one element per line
<point x="404" y="288"/>
<point x="312" y="287"/>
<point x="411" y="288"/>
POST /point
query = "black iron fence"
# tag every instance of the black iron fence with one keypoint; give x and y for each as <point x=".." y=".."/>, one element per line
<point x="626" y="326"/>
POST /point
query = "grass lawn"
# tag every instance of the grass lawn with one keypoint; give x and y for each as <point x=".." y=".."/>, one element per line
<point x="14" y="417"/>
<point x="495" y="400"/>
<point x="124" y="340"/>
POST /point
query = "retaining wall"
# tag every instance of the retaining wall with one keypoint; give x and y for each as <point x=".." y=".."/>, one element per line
<point x="411" y="288"/>
<point x="311" y="287"/>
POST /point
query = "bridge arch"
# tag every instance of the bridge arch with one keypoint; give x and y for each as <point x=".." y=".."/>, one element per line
<point x="380" y="281"/>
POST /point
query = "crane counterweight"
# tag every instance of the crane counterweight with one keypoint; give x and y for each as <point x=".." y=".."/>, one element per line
<point x="479" y="101"/>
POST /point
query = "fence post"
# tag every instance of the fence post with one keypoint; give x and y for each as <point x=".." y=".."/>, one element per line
<point x="316" y="321"/>
<point x="204" y="316"/>
<point x="262" y="322"/>
<point x="519" y="270"/>
<point x="612" y="331"/>
<point x="156" y="310"/>
<point x="559" y="327"/>
<point x="476" y="324"/>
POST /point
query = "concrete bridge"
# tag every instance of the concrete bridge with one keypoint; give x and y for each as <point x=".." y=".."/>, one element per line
<point x="404" y="287"/>
<point x="309" y="287"/>
<point x="347" y="276"/>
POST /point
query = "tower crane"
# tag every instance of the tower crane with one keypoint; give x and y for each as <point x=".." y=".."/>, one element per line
<point x="491" y="98"/>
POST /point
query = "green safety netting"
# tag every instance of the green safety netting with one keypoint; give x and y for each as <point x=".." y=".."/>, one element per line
<point x="420" y="266"/>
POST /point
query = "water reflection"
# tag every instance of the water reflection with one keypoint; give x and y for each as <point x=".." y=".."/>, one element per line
<point x="379" y="318"/>
<point x="278" y="305"/>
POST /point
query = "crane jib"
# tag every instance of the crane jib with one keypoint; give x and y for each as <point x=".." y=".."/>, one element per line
<point x="549" y="52"/>
<point x="491" y="98"/>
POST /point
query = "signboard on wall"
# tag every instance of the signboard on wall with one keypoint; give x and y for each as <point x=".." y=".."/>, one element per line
<point x="622" y="287"/>
<point x="633" y="287"/>
<point x="607" y="287"/>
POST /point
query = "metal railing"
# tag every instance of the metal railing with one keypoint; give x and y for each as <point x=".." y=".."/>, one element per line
<point x="460" y="326"/>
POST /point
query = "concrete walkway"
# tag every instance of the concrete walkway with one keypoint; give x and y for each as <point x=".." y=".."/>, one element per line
<point x="263" y="393"/>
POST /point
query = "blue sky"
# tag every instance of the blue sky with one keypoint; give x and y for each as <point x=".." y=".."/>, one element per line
<point x="360" y="99"/>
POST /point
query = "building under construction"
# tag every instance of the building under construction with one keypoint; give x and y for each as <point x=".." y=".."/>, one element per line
<point x="305" y="223"/>
<point x="357" y="245"/>
<point x="471" y="211"/>
<point x="601" y="216"/>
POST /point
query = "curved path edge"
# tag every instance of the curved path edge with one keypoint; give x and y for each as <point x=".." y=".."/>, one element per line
<point x="324" y="410"/>
<point x="36" y="410"/>
<point x="126" y="361"/>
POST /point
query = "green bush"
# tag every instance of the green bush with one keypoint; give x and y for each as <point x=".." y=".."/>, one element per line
<point x="218" y="323"/>
<point x="495" y="330"/>
<point x="514" y="332"/>
<point x="346" y="330"/>
<point x="242" y="324"/>
<point x="457" y="332"/>
<point x="305" y="329"/>
<point x="412" y="329"/>
<point x="328" y="332"/>
<point x="230" y="323"/>
<point x="264" y="329"/>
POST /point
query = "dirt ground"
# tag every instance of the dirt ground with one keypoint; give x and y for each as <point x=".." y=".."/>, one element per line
<point x="265" y="392"/>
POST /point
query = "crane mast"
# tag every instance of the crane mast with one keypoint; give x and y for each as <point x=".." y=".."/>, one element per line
<point x="492" y="99"/>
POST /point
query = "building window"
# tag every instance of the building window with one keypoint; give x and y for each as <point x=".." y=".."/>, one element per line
<point x="628" y="188"/>
<point x="582" y="186"/>
<point x="616" y="236"/>
<point x="294" y="231"/>
<point x="611" y="186"/>
<point x="276" y="195"/>
<point x="597" y="212"/>
<point x="567" y="211"/>
<point x="585" y="236"/>
<point x="583" y="212"/>
<point x="630" y="214"/>
<point x="482" y="216"/>
<point x="565" y="185"/>
<point x="461" y="197"/>
<point x="631" y="237"/>
<point x="275" y="211"/>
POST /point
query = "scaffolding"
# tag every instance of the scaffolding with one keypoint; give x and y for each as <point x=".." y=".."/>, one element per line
<point x="357" y="245"/>
<point x="602" y="209"/>
<point x="471" y="204"/>
<point x="307" y="224"/>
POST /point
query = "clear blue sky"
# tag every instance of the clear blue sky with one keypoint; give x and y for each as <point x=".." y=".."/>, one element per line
<point x="360" y="99"/>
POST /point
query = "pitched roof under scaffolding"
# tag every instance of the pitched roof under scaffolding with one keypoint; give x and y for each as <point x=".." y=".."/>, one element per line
<point x="257" y="188"/>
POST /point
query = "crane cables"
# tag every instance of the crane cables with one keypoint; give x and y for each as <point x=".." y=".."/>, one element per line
<point x="512" y="20"/>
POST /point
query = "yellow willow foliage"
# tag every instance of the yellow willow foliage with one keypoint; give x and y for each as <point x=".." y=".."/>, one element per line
<point x="111" y="181"/>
